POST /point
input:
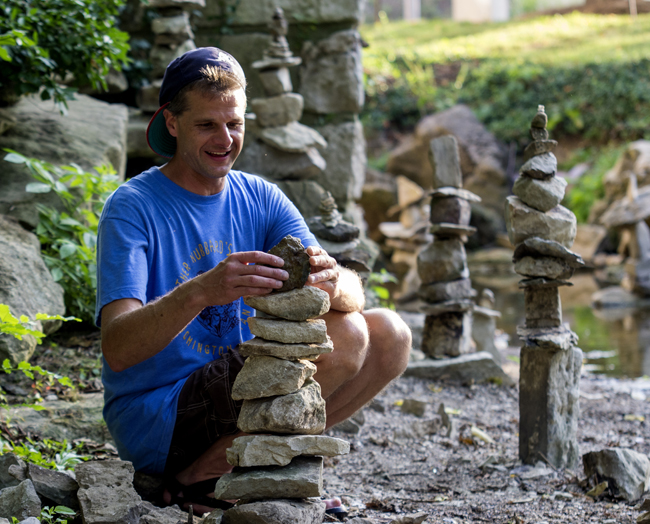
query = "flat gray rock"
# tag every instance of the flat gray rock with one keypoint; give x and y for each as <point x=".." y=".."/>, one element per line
<point x="626" y="471"/>
<point x="449" y="306"/>
<point x="302" y="412"/>
<point x="459" y="192"/>
<point x="523" y="222"/>
<point x="297" y="304"/>
<point x="289" y="332"/>
<point x="547" y="267"/>
<point x="277" y="450"/>
<point x="276" y="81"/>
<point x="292" y="138"/>
<point x="277" y="512"/>
<point x="443" y="260"/>
<point x="450" y="210"/>
<point x="447" y="335"/>
<point x="558" y="338"/>
<point x="277" y="110"/>
<point x="538" y="247"/>
<point x="477" y="367"/>
<point x="269" y="376"/>
<point x="20" y="501"/>
<point x="302" y="478"/>
<point x="264" y="160"/>
<point x="446" y="229"/>
<point x="261" y="347"/>
<point x="445" y="161"/>
<point x="542" y="195"/>
<point x="541" y="166"/>
<point x="54" y="485"/>
<point x="445" y="291"/>
<point x="539" y="147"/>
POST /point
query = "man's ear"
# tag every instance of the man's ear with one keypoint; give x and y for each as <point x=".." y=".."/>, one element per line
<point x="171" y="122"/>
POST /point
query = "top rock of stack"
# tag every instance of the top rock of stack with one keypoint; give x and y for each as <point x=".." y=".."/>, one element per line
<point x="296" y="262"/>
<point x="330" y="224"/>
<point x="539" y="160"/>
<point x="540" y="120"/>
<point x="278" y="53"/>
<point x="445" y="160"/>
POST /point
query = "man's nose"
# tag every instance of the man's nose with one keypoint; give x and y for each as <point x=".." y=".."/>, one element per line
<point x="222" y="136"/>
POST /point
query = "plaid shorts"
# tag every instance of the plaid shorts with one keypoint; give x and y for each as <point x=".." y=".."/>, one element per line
<point x="206" y="411"/>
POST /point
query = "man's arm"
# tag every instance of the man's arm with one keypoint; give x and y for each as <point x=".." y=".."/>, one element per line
<point x="343" y="285"/>
<point x="133" y="332"/>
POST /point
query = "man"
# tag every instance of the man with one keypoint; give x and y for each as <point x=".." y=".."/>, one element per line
<point x="178" y="248"/>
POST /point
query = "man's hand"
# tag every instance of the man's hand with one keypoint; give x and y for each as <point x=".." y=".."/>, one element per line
<point x="239" y="275"/>
<point x="324" y="271"/>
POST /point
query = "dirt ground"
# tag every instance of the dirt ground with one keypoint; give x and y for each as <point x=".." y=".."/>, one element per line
<point x="401" y="463"/>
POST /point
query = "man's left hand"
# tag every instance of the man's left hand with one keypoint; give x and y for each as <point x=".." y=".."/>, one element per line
<point x="324" y="270"/>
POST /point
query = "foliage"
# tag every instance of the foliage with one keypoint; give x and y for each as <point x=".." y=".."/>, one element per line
<point x="589" y="187"/>
<point x="44" y="41"/>
<point x="591" y="72"/>
<point x="48" y="453"/>
<point x="69" y="238"/>
<point x="19" y="327"/>
<point x="49" y="515"/>
<point x="376" y="285"/>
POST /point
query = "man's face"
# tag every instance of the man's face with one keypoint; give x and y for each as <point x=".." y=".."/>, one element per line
<point x="209" y="134"/>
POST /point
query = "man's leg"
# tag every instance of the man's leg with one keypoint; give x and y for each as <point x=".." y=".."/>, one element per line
<point x="370" y="349"/>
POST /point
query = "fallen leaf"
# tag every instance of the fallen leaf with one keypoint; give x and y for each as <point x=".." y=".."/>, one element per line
<point x="398" y="402"/>
<point x="598" y="490"/>
<point x="632" y="418"/>
<point x="452" y="411"/>
<point x="479" y="433"/>
<point x="434" y="388"/>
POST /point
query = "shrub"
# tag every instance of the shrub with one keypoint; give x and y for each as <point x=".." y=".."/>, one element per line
<point x="47" y="40"/>
<point x="69" y="238"/>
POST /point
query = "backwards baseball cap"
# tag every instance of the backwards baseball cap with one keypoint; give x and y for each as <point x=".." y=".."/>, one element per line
<point x="182" y="71"/>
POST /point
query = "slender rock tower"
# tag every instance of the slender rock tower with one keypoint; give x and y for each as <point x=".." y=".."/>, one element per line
<point x="442" y="265"/>
<point x="542" y="232"/>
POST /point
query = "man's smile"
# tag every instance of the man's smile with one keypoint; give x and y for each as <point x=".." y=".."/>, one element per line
<point x="218" y="154"/>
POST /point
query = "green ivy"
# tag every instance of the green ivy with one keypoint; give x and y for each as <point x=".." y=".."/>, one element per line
<point x="69" y="237"/>
<point x="44" y="41"/>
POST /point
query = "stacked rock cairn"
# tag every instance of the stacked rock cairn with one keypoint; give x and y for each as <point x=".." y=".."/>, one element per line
<point x="281" y="471"/>
<point x="542" y="232"/>
<point x="442" y="265"/>
<point x="283" y="148"/>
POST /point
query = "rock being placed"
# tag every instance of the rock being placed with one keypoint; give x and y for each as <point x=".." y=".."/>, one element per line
<point x="269" y="376"/>
<point x="281" y="511"/>
<point x="296" y="262"/>
<point x="302" y="412"/>
<point x="313" y="331"/>
<point x="626" y="471"/>
<point x="277" y="450"/>
<point x="302" y="478"/>
<point x="298" y="304"/>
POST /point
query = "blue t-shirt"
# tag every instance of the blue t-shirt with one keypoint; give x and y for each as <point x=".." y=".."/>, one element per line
<point x="153" y="236"/>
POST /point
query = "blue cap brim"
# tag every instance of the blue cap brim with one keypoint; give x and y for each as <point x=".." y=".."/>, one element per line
<point x="158" y="137"/>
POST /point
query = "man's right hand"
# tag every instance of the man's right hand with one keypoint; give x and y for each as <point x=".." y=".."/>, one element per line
<point x="240" y="275"/>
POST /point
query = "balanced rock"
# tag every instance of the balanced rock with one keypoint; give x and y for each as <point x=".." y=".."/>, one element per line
<point x="458" y="192"/>
<point x="269" y="376"/>
<point x="296" y="262"/>
<point x="261" y="347"/>
<point x="445" y="160"/>
<point x="277" y="110"/>
<point x="443" y="291"/>
<point x="543" y="307"/>
<point x="541" y="166"/>
<point x="292" y="138"/>
<point x="453" y="210"/>
<point x="523" y="222"/>
<point x="302" y="478"/>
<point x="539" y="147"/>
<point x="269" y="162"/>
<point x="302" y="412"/>
<point x="276" y="81"/>
<point x="297" y="304"/>
<point x="538" y="247"/>
<point x="276" y="450"/>
<point x="277" y="512"/>
<point x="341" y="232"/>
<point x="447" y="335"/>
<point x="312" y="331"/>
<point x="626" y="471"/>
<point x="442" y="261"/>
<point x="547" y="267"/>
<point x="556" y="339"/>
<point x="542" y="195"/>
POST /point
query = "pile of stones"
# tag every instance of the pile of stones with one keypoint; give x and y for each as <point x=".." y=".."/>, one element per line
<point x="542" y="232"/>
<point x="442" y="265"/>
<point x="280" y="471"/>
<point x="282" y="148"/>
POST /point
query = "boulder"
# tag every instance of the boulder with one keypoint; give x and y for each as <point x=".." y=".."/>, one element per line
<point x="26" y="286"/>
<point x="261" y="347"/>
<point x="298" y="304"/>
<point x="346" y="161"/>
<point x="523" y="222"/>
<point x="20" y="501"/>
<point x="44" y="133"/>
<point x="277" y="450"/>
<point x="302" y="412"/>
<point x="626" y="471"/>
<point x="310" y="331"/>
<point x="269" y="376"/>
<point x="542" y="195"/>
<point x="277" y="110"/>
<point x="331" y="75"/>
<point x="277" y="512"/>
<point x="106" y="493"/>
<point x="302" y="478"/>
<point x="261" y="159"/>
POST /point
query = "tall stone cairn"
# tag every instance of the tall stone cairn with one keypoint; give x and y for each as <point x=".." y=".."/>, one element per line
<point x="283" y="148"/>
<point x="542" y="232"/>
<point x="442" y="265"/>
<point x="283" y="403"/>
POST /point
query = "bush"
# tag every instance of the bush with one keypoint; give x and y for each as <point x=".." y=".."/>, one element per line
<point x="47" y="40"/>
<point x="69" y="238"/>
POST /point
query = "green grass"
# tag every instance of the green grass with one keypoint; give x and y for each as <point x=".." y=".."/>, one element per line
<point x="591" y="71"/>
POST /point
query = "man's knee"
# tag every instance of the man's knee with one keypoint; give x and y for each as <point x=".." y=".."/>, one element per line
<point x="349" y="333"/>
<point x="390" y="339"/>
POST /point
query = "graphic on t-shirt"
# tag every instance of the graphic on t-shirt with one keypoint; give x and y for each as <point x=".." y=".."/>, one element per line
<point x="219" y="320"/>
